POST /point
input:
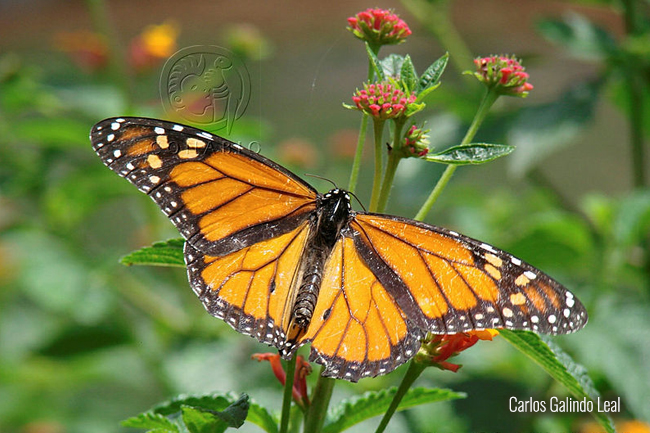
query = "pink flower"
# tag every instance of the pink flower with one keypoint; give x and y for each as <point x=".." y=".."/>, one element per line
<point x="379" y="27"/>
<point x="504" y="74"/>
<point x="382" y="100"/>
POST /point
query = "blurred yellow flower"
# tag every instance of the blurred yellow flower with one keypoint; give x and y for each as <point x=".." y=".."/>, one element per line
<point x="160" y="40"/>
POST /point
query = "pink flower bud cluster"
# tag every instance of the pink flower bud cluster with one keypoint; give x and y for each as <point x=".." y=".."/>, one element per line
<point x="415" y="141"/>
<point x="382" y="100"/>
<point x="505" y="73"/>
<point x="379" y="27"/>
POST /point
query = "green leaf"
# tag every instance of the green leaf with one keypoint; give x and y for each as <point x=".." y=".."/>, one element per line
<point x="392" y="65"/>
<point x="580" y="36"/>
<point x="407" y="74"/>
<point x="376" y="64"/>
<point x="544" y="129"/>
<point x="202" y="421"/>
<point x="231" y="409"/>
<point x="632" y="223"/>
<point x="430" y="77"/>
<point x="374" y="403"/>
<point x="153" y="422"/>
<point x="414" y="108"/>
<point x="473" y="153"/>
<point x="164" y="253"/>
<point x="559" y="366"/>
<point x="261" y="417"/>
<point x="235" y="414"/>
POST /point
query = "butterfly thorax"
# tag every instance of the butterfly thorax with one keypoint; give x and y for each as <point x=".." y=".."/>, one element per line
<point x="331" y="217"/>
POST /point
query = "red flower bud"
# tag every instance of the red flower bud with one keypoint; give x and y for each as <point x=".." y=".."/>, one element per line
<point x="503" y="73"/>
<point x="379" y="27"/>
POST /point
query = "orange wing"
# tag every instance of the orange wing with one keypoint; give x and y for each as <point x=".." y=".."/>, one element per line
<point x="449" y="283"/>
<point x="221" y="196"/>
<point x="358" y="329"/>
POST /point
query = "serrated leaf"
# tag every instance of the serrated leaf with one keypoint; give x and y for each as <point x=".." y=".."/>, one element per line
<point x="376" y="64"/>
<point x="152" y="422"/>
<point x="473" y="153"/>
<point x="235" y="414"/>
<point x="374" y="403"/>
<point x="200" y="421"/>
<point x="580" y="36"/>
<point x="164" y="253"/>
<point x="559" y="366"/>
<point x="432" y="74"/>
<point x="413" y="108"/>
<point x="407" y="74"/>
<point x="220" y="402"/>
<point x="392" y="65"/>
<point x="216" y="402"/>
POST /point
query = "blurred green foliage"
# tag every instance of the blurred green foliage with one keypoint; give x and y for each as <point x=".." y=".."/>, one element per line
<point x="86" y="342"/>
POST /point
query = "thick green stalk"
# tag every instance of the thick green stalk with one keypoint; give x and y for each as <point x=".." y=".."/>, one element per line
<point x="394" y="157"/>
<point x="319" y="403"/>
<point x="413" y="372"/>
<point x="356" y="164"/>
<point x="378" y="126"/>
<point x="481" y="113"/>
<point x="634" y="84"/>
<point x="288" y="394"/>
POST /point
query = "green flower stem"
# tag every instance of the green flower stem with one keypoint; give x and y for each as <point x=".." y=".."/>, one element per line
<point x="378" y="125"/>
<point x="394" y="157"/>
<point x="287" y="396"/>
<point x="319" y="403"/>
<point x="414" y="371"/>
<point x="483" y="109"/>
<point x="117" y="66"/>
<point x="634" y="84"/>
<point x="356" y="164"/>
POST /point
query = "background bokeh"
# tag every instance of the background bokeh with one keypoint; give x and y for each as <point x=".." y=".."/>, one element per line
<point x="86" y="342"/>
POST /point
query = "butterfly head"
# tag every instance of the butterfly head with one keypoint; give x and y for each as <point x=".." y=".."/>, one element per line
<point x="335" y="212"/>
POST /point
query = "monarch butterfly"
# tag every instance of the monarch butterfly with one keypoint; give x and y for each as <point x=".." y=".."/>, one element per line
<point x="286" y="265"/>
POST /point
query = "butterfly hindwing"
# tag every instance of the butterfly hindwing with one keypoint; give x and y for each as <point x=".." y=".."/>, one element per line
<point x="249" y="288"/>
<point x="219" y="195"/>
<point x="358" y="329"/>
<point x="460" y="284"/>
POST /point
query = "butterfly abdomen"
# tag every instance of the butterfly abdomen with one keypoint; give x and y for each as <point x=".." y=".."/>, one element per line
<point x="327" y="224"/>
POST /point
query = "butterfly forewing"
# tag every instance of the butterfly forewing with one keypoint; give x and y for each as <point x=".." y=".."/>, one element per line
<point x="460" y="284"/>
<point x="219" y="195"/>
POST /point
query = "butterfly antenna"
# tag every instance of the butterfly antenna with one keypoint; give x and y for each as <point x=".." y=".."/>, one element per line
<point x="336" y="186"/>
<point x="322" y="178"/>
<point x="358" y="201"/>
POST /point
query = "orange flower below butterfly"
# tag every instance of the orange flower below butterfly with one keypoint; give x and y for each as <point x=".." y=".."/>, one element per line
<point x="439" y="348"/>
<point x="303" y="369"/>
